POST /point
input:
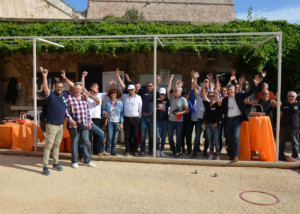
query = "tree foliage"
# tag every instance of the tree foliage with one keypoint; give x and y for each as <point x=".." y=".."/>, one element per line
<point x="250" y="60"/>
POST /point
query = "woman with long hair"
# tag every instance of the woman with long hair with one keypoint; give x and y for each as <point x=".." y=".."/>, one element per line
<point x="113" y="111"/>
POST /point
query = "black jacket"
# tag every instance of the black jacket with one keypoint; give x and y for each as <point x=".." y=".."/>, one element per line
<point x="240" y="101"/>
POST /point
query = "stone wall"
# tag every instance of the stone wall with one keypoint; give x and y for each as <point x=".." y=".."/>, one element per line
<point x="37" y="9"/>
<point x="195" y="11"/>
<point x="20" y="67"/>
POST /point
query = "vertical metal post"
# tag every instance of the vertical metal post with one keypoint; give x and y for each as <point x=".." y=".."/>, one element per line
<point x="154" y="94"/>
<point x="279" y="38"/>
<point x="34" y="95"/>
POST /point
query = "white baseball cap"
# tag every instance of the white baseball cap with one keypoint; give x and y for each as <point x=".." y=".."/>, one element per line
<point x="162" y="91"/>
<point x="130" y="87"/>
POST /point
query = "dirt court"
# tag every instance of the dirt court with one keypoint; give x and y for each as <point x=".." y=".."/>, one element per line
<point x="120" y="187"/>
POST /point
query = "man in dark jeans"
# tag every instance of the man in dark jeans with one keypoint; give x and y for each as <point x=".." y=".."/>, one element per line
<point x="132" y="114"/>
<point x="290" y="125"/>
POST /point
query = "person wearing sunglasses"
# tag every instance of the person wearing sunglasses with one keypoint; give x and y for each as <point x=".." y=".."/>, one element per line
<point x="266" y="86"/>
<point x="212" y="127"/>
<point x="55" y="122"/>
<point x="114" y="112"/>
<point x="267" y="104"/>
<point x="290" y="125"/>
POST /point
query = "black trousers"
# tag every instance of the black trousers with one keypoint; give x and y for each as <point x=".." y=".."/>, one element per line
<point x="289" y="134"/>
<point x="188" y="127"/>
<point x="131" y="127"/>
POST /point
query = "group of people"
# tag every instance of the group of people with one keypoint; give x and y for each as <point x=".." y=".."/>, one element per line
<point x="210" y="107"/>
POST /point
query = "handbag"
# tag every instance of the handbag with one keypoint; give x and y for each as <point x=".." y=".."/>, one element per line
<point x="106" y="120"/>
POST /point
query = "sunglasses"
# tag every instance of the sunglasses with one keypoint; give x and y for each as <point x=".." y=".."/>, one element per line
<point x="113" y="93"/>
<point x="246" y="84"/>
<point x="92" y="91"/>
<point x="211" y="96"/>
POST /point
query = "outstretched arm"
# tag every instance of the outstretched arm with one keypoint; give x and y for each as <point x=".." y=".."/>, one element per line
<point x="45" y="83"/>
<point x="84" y="74"/>
<point x="64" y="77"/>
<point x="119" y="78"/>
<point x="169" y="85"/>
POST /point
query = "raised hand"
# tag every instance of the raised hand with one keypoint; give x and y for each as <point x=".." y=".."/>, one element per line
<point x="84" y="74"/>
<point x="117" y="72"/>
<point x="127" y="77"/>
<point x="158" y="78"/>
<point x="43" y="73"/>
<point x="63" y="74"/>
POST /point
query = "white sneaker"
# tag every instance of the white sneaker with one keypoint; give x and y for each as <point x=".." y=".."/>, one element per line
<point x="75" y="165"/>
<point x="157" y="153"/>
<point x="90" y="164"/>
<point x="211" y="156"/>
<point x="218" y="157"/>
<point x="162" y="154"/>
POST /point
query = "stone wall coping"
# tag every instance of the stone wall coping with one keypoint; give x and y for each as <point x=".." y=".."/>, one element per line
<point x="230" y="2"/>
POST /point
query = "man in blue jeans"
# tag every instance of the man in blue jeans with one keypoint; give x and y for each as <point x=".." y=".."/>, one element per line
<point x="234" y="109"/>
<point x="178" y="107"/>
<point x="79" y="120"/>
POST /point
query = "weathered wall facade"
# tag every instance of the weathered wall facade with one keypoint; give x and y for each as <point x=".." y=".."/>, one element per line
<point x="20" y="67"/>
<point x="37" y="9"/>
<point x="195" y="11"/>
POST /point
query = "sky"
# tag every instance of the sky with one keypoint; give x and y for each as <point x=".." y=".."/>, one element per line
<point x="270" y="9"/>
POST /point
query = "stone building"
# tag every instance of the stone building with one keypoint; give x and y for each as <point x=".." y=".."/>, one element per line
<point x="194" y="11"/>
<point x="20" y="66"/>
<point x="37" y="9"/>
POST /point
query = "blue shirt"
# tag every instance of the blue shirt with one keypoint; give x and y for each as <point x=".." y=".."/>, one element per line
<point x="119" y="111"/>
<point x="147" y="99"/>
<point x="56" y="108"/>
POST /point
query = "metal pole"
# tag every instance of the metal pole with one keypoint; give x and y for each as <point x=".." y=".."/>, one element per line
<point x="154" y="95"/>
<point x="279" y="38"/>
<point x="34" y="95"/>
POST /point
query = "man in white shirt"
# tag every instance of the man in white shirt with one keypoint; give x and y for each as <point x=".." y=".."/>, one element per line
<point x="132" y="114"/>
<point x="94" y="105"/>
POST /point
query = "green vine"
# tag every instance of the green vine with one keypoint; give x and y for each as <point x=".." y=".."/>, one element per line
<point x="250" y="60"/>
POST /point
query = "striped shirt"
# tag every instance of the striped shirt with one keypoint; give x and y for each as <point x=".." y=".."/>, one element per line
<point x="77" y="110"/>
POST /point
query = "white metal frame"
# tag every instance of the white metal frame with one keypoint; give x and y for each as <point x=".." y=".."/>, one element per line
<point x="254" y="40"/>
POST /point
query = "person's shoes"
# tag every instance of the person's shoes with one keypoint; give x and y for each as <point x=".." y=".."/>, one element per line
<point x="103" y="153"/>
<point x="162" y="154"/>
<point x="90" y="164"/>
<point x="46" y="171"/>
<point x="150" y="152"/>
<point x="142" y="154"/>
<point x="235" y="159"/>
<point x="177" y="155"/>
<point x="297" y="159"/>
<point x="75" y="165"/>
<point x="157" y="153"/>
<point x="199" y="150"/>
<point x="218" y="157"/>
<point x="194" y="155"/>
<point x="171" y="154"/>
<point x="126" y="154"/>
<point x="211" y="156"/>
<point x="57" y="167"/>
<point x="114" y="154"/>
<point x="205" y="153"/>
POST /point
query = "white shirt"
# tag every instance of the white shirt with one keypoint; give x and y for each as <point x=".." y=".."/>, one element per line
<point x="233" y="109"/>
<point x="94" y="108"/>
<point x="132" y="105"/>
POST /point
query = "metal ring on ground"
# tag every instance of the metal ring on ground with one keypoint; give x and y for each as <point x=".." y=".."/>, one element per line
<point x="276" y="202"/>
